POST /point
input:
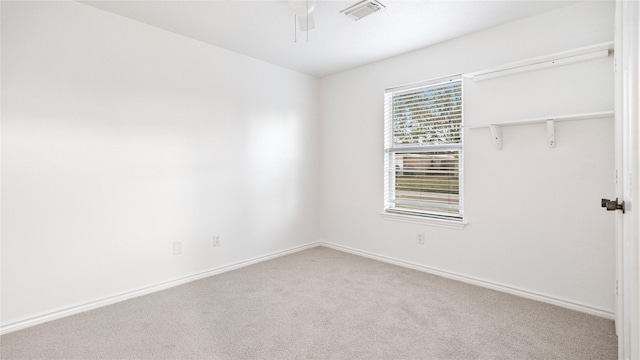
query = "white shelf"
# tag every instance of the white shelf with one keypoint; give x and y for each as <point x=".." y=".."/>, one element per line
<point x="547" y="61"/>
<point x="496" y="134"/>
<point x="584" y="116"/>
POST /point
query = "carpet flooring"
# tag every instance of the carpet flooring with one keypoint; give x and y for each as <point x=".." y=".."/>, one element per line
<point x="320" y="304"/>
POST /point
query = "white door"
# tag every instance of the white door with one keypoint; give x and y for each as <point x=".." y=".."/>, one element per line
<point x="627" y="163"/>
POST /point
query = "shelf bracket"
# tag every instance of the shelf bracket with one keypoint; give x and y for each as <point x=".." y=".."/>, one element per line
<point x="551" y="133"/>
<point x="497" y="135"/>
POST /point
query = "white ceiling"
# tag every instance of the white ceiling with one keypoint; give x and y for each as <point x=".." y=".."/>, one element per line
<point x="265" y="29"/>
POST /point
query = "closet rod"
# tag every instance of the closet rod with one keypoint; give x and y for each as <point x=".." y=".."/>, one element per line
<point x="586" y="53"/>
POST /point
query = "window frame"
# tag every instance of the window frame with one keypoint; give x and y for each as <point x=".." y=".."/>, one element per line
<point x="391" y="212"/>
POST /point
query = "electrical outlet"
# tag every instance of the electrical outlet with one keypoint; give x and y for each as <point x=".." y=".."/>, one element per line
<point x="177" y="248"/>
<point x="216" y="240"/>
<point x="420" y="238"/>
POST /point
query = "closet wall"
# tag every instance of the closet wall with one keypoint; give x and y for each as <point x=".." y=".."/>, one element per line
<point x="535" y="225"/>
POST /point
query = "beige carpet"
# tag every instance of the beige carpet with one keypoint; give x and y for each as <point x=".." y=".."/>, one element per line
<point x="320" y="304"/>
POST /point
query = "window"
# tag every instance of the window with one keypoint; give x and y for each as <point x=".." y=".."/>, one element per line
<point x="423" y="150"/>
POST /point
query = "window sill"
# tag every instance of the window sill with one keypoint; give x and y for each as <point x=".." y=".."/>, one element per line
<point x="450" y="224"/>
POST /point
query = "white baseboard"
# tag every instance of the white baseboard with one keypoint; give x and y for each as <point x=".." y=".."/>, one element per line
<point x="474" y="281"/>
<point x="91" y="305"/>
<point x="57" y="314"/>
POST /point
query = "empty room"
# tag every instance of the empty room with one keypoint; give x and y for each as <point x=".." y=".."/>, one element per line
<point x="309" y="179"/>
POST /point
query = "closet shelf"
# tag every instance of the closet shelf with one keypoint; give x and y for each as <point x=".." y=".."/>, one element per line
<point x="549" y="120"/>
<point x="573" y="56"/>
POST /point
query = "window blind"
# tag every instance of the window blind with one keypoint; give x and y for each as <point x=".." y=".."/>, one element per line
<point x="423" y="150"/>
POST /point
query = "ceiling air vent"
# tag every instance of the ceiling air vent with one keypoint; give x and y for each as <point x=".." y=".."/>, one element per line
<point x="362" y="9"/>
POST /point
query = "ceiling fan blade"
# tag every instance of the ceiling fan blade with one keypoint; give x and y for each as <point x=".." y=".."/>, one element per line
<point x="302" y="22"/>
<point x="302" y="7"/>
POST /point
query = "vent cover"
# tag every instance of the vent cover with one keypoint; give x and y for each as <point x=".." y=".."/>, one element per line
<point x="362" y="9"/>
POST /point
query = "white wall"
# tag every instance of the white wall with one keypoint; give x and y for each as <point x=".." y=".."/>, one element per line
<point x="119" y="138"/>
<point x="534" y="217"/>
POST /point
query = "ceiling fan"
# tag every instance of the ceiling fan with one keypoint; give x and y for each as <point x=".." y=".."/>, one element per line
<point x="302" y="10"/>
<point x="303" y="13"/>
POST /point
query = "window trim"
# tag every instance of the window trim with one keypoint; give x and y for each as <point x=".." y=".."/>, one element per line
<point x="416" y="216"/>
<point x="423" y="220"/>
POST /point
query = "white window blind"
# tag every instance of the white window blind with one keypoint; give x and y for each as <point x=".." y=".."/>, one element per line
<point x="423" y="149"/>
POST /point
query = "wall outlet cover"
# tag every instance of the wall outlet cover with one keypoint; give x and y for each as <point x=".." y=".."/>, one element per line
<point x="177" y="248"/>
